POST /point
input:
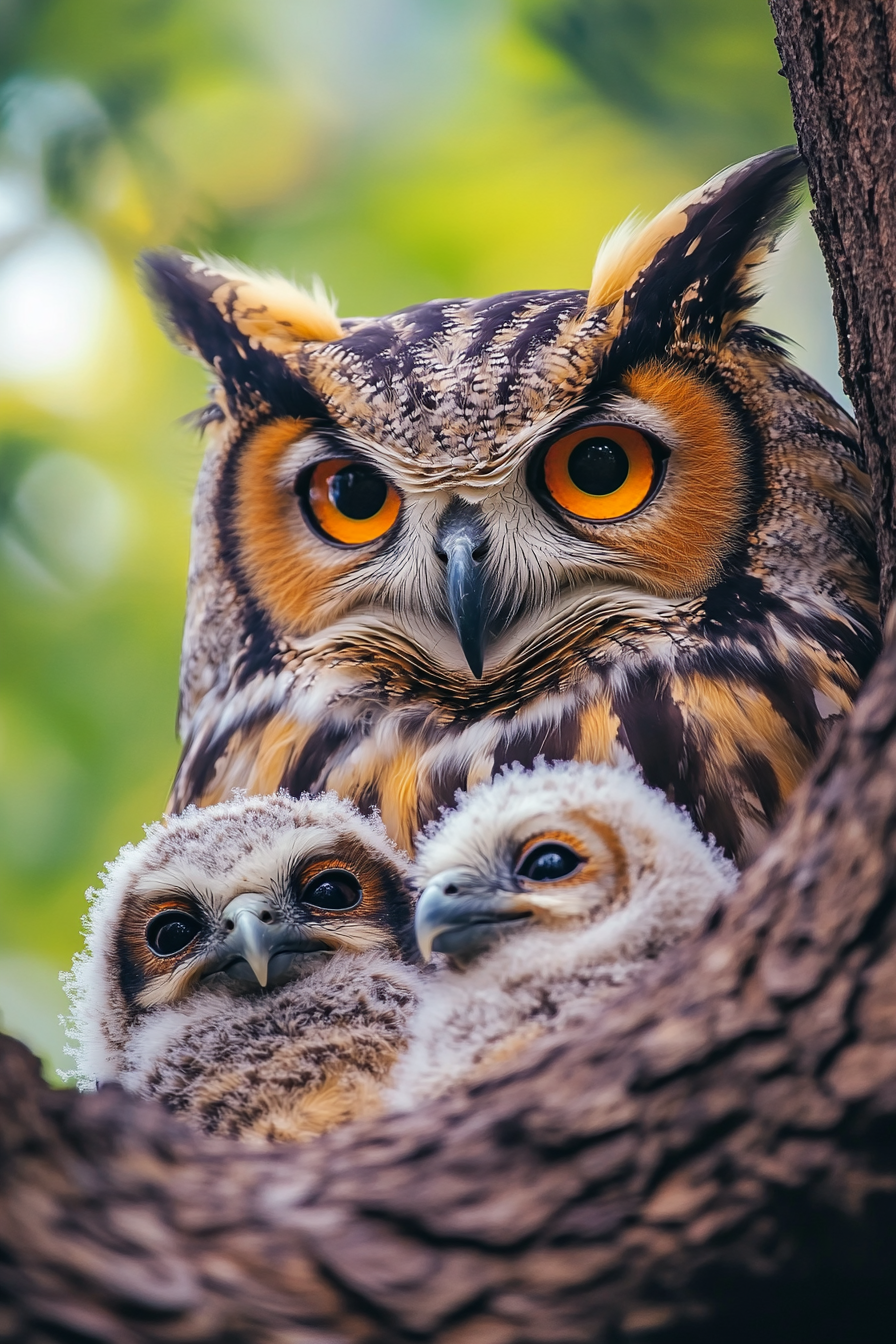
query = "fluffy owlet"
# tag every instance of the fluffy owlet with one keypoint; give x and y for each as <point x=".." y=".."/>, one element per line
<point x="547" y="889"/>
<point x="243" y="966"/>
<point x="477" y="531"/>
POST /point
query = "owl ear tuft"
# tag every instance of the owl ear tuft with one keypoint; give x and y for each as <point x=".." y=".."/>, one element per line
<point x="196" y="296"/>
<point x="240" y="323"/>
<point x="691" y="271"/>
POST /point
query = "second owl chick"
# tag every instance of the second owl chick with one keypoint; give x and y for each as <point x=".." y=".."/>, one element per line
<point x="546" y="888"/>
<point x="243" y="966"/>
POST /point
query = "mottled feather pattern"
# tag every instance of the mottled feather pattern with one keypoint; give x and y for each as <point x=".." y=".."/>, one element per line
<point x="197" y="864"/>
<point x="345" y="1030"/>
<point x="715" y="633"/>
<point x="644" y="882"/>
<point x="283" y="1066"/>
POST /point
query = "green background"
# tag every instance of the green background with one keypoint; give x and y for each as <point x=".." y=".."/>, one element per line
<point x="401" y="150"/>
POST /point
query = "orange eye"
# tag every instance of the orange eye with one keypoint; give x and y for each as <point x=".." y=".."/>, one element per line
<point x="350" y="501"/>
<point x="600" y="472"/>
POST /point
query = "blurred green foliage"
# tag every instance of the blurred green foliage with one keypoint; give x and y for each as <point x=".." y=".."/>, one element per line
<point x="402" y="150"/>
<point x="699" y="70"/>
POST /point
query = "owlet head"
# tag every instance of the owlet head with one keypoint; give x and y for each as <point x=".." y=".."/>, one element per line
<point x="554" y="846"/>
<point x="242" y="896"/>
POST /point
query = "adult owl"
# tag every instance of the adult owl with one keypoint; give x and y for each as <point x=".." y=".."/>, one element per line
<point x="243" y="965"/>
<point x="544" y="523"/>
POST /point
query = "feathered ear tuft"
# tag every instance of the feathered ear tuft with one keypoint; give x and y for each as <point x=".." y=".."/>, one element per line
<point x="241" y="324"/>
<point x="270" y="309"/>
<point x="196" y="296"/>
<point x="692" y="270"/>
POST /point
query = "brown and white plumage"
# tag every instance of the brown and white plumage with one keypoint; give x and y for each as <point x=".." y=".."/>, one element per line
<point x="547" y="889"/>
<point x="243" y="965"/>
<point x="466" y="608"/>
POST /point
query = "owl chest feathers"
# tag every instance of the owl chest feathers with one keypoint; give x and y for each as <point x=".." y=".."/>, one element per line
<point x="727" y="742"/>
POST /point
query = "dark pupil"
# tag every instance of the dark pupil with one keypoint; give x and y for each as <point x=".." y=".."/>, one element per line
<point x="547" y="863"/>
<point x="167" y="934"/>
<point x="598" y="466"/>
<point x="358" y="491"/>
<point x="333" y="891"/>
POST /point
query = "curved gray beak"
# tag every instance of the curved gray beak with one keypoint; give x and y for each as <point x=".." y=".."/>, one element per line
<point x="257" y="933"/>
<point x="455" y="915"/>
<point x="462" y="547"/>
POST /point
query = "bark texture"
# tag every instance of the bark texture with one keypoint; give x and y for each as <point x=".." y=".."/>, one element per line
<point x="838" y="57"/>
<point x="713" y="1159"/>
<point x="717" y="1161"/>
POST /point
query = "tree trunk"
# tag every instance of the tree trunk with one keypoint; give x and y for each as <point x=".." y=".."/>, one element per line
<point x="838" y="57"/>
<point x="713" y="1159"/>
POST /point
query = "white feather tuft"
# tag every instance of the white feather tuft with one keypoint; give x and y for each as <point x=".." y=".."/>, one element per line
<point x="543" y="974"/>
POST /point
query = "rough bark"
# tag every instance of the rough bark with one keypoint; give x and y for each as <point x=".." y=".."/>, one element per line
<point x="838" y="57"/>
<point x="717" y="1161"/>
<point x="714" y="1158"/>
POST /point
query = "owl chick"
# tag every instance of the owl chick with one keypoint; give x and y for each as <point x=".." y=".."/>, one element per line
<point x="242" y="965"/>
<point x="546" y="889"/>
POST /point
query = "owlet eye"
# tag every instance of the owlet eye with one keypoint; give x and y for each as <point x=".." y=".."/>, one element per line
<point x="548" y="862"/>
<point x="602" y="472"/>
<point x="335" y="889"/>
<point x="350" y="502"/>
<point x="171" y="932"/>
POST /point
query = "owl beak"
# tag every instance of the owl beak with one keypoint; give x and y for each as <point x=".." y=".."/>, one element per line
<point x="461" y="547"/>
<point x="456" y="914"/>
<point x="256" y="934"/>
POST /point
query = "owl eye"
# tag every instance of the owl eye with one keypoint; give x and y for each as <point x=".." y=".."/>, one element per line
<point x="334" y="889"/>
<point x="171" y="932"/>
<point x="601" y="472"/>
<point x="548" y="862"/>
<point x="348" y="501"/>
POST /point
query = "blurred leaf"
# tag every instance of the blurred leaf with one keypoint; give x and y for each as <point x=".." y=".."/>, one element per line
<point x="129" y="53"/>
<point x="705" y="69"/>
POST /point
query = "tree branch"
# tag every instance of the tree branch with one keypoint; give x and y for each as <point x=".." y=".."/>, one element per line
<point x="718" y="1158"/>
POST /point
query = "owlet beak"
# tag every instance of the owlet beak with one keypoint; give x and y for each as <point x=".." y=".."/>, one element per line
<point x="261" y="935"/>
<point x="455" y="914"/>
<point x="256" y="935"/>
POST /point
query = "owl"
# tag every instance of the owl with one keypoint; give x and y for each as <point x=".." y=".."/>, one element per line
<point x="546" y="523"/>
<point x="243" y="965"/>
<point x="548" y="889"/>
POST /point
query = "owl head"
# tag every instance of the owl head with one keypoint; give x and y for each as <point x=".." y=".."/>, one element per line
<point x="547" y="890"/>
<point x="233" y="900"/>
<point x="440" y="477"/>
<point x="479" y="530"/>
<point x="558" y="848"/>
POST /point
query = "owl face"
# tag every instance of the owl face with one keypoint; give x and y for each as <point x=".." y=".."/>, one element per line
<point x="317" y="887"/>
<point x="554" y="847"/>
<point x="554" y="523"/>
<point x="238" y="898"/>
<point x="548" y="889"/>
<point x="639" y="495"/>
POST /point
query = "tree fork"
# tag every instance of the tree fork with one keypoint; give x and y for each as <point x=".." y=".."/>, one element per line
<point x="713" y="1157"/>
